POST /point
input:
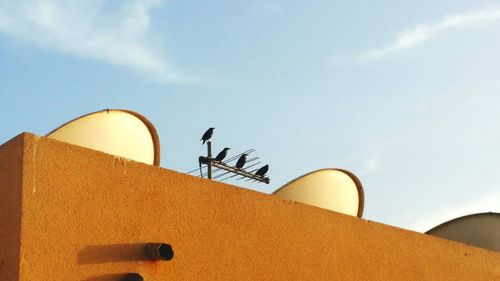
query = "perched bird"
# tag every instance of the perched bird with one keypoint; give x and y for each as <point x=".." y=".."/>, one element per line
<point x="207" y="135"/>
<point x="241" y="161"/>
<point x="262" y="171"/>
<point x="222" y="154"/>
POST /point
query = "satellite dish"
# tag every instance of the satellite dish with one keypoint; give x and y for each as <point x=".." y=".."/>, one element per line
<point x="333" y="189"/>
<point x="119" y="132"/>
<point x="480" y="230"/>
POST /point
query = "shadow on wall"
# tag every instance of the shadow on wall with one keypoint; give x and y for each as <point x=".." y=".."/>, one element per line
<point x="106" y="277"/>
<point x="111" y="253"/>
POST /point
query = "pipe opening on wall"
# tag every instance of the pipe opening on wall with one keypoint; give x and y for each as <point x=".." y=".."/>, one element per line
<point x="159" y="251"/>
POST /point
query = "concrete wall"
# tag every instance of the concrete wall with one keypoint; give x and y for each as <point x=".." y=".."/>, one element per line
<point x="11" y="160"/>
<point x="86" y="216"/>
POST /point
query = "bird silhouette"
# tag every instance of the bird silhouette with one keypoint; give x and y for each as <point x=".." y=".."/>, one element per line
<point x="222" y="154"/>
<point x="207" y="135"/>
<point x="241" y="161"/>
<point x="262" y="171"/>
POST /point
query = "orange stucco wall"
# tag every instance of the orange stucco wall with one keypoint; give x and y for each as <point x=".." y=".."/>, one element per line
<point x="11" y="158"/>
<point x="86" y="216"/>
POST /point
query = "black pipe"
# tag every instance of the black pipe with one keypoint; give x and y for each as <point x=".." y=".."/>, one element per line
<point x="132" y="277"/>
<point x="159" y="251"/>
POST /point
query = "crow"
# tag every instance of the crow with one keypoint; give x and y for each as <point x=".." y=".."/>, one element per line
<point x="241" y="161"/>
<point x="207" y="135"/>
<point x="262" y="171"/>
<point x="222" y="154"/>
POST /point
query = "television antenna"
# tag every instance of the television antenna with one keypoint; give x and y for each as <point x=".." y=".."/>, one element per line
<point x="212" y="168"/>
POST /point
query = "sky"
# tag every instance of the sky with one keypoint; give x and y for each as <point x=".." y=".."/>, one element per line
<point x="404" y="95"/>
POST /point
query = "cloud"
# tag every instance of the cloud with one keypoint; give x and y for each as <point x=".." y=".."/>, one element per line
<point x="115" y="32"/>
<point x="370" y="165"/>
<point x="423" y="32"/>
<point x="488" y="202"/>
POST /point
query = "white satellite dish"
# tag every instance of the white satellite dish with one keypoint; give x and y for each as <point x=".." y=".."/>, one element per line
<point x="480" y="230"/>
<point x="119" y="132"/>
<point x="333" y="189"/>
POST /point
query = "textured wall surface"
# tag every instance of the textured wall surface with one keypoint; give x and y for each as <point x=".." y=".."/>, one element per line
<point x="86" y="216"/>
<point x="11" y="158"/>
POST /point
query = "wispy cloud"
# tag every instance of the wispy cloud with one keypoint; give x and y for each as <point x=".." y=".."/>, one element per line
<point x="115" y="32"/>
<point x="484" y="203"/>
<point x="423" y="32"/>
<point x="370" y="165"/>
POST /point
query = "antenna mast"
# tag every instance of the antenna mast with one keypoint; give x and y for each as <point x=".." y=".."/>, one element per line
<point x="257" y="175"/>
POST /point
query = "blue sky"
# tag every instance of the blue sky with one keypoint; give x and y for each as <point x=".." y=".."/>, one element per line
<point x="405" y="95"/>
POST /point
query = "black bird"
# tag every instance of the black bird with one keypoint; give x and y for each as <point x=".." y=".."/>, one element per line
<point x="262" y="171"/>
<point x="241" y="161"/>
<point x="222" y="154"/>
<point x="207" y="135"/>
